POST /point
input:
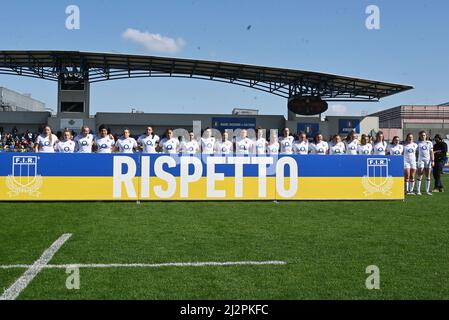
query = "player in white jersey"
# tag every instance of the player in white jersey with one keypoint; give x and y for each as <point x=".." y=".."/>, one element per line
<point x="302" y="145"/>
<point x="148" y="141"/>
<point x="364" y="148"/>
<point x="426" y="161"/>
<point x="395" y="148"/>
<point x="126" y="143"/>
<point x="104" y="143"/>
<point x="286" y="142"/>
<point x="191" y="146"/>
<point x="169" y="144"/>
<point x="46" y="141"/>
<point x="225" y="146"/>
<point x="351" y="143"/>
<point x="410" y="148"/>
<point x="379" y="145"/>
<point x="207" y="142"/>
<point x="319" y="146"/>
<point x="84" y="141"/>
<point x="67" y="145"/>
<point x="337" y="147"/>
<point x="243" y="144"/>
<point x="260" y="145"/>
<point x="273" y="146"/>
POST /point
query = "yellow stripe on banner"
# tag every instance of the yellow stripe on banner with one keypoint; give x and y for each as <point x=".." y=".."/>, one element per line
<point x="357" y="188"/>
<point x="102" y="188"/>
<point x="66" y="188"/>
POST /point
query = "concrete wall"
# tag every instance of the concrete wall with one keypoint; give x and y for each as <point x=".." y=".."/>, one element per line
<point x="137" y="122"/>
<point x="23" y="120"/>
<point x="15" y="101"/>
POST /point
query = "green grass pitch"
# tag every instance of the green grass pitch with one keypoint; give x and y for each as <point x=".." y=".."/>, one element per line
<point x="327" y="247"/>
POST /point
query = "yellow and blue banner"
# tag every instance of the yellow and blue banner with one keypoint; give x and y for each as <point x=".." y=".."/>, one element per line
<point x="146" y="177"/>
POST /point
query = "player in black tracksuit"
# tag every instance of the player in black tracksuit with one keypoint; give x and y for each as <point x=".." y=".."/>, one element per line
<point x="440" y="151"/>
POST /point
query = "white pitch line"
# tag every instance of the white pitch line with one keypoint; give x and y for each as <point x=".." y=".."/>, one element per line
<point x="148" y="265"/>
<point x="32" y="270"/>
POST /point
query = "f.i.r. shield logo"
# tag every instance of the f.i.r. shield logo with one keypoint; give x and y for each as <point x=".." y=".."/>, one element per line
<point x="377" y="179"/>
<point x="24" y="177"/>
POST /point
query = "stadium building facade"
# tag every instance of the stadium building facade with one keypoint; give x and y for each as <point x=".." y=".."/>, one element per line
<point x="137" y="122"/>
<point x="307" y="93"/>
<point x="401" y="120"/>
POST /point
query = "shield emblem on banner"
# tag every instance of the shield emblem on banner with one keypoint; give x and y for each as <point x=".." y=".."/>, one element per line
<point x="377" y="179"/>
<point x="24" y="177"/>
<point x="377" y="171"/>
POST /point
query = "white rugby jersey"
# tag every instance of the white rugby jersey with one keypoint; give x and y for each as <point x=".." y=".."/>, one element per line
<point x="190" y="147"/>
<point x="395" y="149"/>
<point x="424" y="149"/>
<point x="169" y="145"/>
<point x="260" y="146"/>
<point x="351" y="147"/>
<point x="148" y="143"/>
<point x="84" y="143"/>
<point x="286" y="144"/>
<point x="365" y="149"/>
<point x="243" y="146"/>
<point x="410" y="152"/>
<point x="320" y="148"/>
<point x="207" y="145"/>
<point x="337" y="149"/>
<point x="301" y="147"/>
<point x="104" y="145"/>
<point x="65" y="146"/>
<point x="126" y="145"/>
<point x="380" y="148"/>
<point x="44" y="143"/>
<point x="273" y="148"/>
<point x="224" y="147"/>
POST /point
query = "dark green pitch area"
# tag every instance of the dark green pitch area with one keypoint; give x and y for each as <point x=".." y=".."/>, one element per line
<point x="327" y="247"/>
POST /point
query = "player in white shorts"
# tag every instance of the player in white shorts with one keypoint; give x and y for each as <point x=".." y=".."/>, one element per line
<point x="273" y="146"/>
<point x="364" y="148"/>
<point x="379" y="145"/>
<point x="286" y="142"/>
<point x="410" y="148"/>
<point x="191" y="146"/>
<point x="67" y="145"/>
<point x="302" y="145"/>
<point x="104" y="143"/>
<point x="126" y="143"/>
<point x="169" y="144"/>
<point x="260" y="146"/>
<point x="395" y="148"/>
<point x="337" y="147"/>
<point x="46" y="141"/>
<point x="351" y="143"/>
<point x="225" y="146"/>
<point x="148" y="141"/>
<point x="426" y="161"/>
<point x="207" y="142"/>
<point x="84" y="141"/>
<point x="243" y="144"/>
<point x="319" y="146"/>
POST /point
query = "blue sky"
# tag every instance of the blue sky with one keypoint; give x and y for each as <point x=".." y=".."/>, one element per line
<point x="411" y="47"/>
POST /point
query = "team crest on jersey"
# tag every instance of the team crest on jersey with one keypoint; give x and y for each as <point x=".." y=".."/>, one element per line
<point x="377" y="178"/>
<point x="24" y="177"/>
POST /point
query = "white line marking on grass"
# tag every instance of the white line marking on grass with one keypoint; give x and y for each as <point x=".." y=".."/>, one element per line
<point x="13" y="291"/>
<point x="148" y="265"/>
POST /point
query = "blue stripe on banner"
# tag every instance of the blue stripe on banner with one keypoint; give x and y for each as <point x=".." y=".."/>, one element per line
<point x="101" y="165"/>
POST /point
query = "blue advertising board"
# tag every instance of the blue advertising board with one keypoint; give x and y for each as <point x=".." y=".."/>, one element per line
<point x="222" y="123"/>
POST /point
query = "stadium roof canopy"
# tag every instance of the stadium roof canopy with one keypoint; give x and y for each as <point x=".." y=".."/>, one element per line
<point x="95" y="67"/>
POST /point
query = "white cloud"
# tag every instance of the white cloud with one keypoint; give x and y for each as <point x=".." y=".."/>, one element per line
<point x="154" y="41"/>
<point x="338" y="109"/>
